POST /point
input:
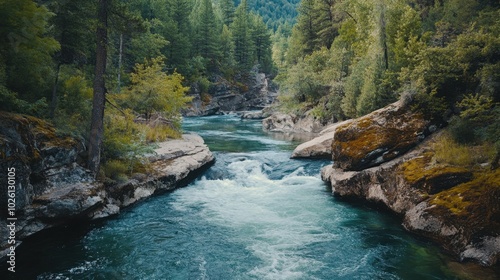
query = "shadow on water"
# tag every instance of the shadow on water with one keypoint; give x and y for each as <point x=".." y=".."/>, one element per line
<point x="59" y="247"/>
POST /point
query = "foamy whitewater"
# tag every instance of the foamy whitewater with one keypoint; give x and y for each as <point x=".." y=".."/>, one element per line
<point x="255" y="214"/>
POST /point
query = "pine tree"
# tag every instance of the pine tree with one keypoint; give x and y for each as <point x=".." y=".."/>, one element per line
<point x="241" y="37"/>
<point x="261" y="40"/>
<point x="227" y="11"/>
<point x="207" y="39"/>
<point x="26" y="49"/>
<point x="303" y="33"/>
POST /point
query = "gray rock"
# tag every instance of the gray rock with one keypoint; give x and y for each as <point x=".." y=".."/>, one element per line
<point x="384" y="184"/>
<point x="319" y="147"/>
<point x="107" y="211"/>
<point x="68" y="201"/>
<point x="174" y="162"/>
<point x="252" y="93"/>
<point x="487" y="251"/>
<point x="254" y="115"/>
<point x="281" y="122"/>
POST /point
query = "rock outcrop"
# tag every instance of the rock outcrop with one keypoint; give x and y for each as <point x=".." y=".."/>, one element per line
<point x="52" y="188"/>
<point x="378" y="137"/>
<point x="173" y="164"/>
<point x="319" y="147"/>
<point x="281" y="122"/>
<point x="252" y="93"/>
<point x="386" y="158"/>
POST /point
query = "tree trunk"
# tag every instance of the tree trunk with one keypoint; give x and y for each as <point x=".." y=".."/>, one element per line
<point x="97" y="125"/>
<point x="53" y="102"/>
<point x="383" y="38"/>
<point x="120" y="57"/>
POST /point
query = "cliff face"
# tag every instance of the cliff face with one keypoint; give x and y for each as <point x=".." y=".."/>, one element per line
<point x="252" y="93"/>
<point x="52" y="188"/>
<point x="387" y="158"/>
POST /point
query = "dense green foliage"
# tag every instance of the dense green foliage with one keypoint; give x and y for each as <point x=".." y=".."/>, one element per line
<point x="274" y="12"/>
<point x="339" y="59"/>
<point x="369" y="51"/>
<point x="344" y="59"/>
<point x="153" y="51"/>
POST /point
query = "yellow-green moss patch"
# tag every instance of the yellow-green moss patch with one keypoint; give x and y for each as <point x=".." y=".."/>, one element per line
<point x="478" y="199"/>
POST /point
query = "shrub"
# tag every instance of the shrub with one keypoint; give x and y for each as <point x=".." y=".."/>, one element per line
<point x="116" y="170"/>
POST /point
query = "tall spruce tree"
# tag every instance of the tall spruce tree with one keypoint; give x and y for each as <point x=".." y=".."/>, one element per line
<point x="261" y="40"/>
<point x="227" y="10"/>
<point x="241" y="36"/>
<point x="207" y="38"/>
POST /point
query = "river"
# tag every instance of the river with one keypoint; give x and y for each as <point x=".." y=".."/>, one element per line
<point x="255" y="214"/>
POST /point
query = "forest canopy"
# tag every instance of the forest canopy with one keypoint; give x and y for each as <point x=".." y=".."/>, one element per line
<point x="138" y="56"/>
<point x="337" y="59"/>
<point x="345" y="59"/>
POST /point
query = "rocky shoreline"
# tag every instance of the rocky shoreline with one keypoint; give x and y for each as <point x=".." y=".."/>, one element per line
<point x="388" y="158"/>
<point x="52" y="188"/>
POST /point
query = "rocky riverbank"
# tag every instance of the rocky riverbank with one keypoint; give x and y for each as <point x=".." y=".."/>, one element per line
<point x="287" y="122"/>
<point x="389" y="158"/>
<point x="52" y="187"/>
<point x="254" y="92"/>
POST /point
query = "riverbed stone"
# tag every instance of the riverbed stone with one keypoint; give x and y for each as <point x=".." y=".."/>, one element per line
<point x="285" y="122"/>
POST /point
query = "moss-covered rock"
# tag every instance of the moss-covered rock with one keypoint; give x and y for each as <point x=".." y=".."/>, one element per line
<point x="33" y="148"/>
<point x="50" y="186"/>
<point x="455" y="206"/>
<point x="421" y="172"/>
<point x="472" y="210"/>
<point x="378" y="137"/>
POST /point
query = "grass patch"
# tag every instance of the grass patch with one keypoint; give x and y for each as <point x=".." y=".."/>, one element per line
<point x="115" y="169"/>
<point x="448" y="151"/>
<point x="160" y="133"/>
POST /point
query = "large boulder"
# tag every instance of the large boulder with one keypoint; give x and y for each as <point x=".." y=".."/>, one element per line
<point x="465" y="218"/>
<point x="384" y="184"/>
<point x="50" y="186"/>
<point x="378" y="137"/>
<point x="32" y="147"/>
<point x="319" y="147"/>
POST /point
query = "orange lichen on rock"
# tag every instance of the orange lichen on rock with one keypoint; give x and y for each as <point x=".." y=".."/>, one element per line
<point x="378" y="137"/>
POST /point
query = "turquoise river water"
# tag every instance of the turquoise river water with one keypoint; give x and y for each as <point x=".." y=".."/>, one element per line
<point x="255" y="214"/>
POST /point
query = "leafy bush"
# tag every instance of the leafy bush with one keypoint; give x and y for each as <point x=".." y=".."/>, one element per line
<point x="153" y="91"/>
<point x="462" y="131"/>
<point x="73" y="111"/>
<point x="116" y="170"/>
<point x="124" y="139"/>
